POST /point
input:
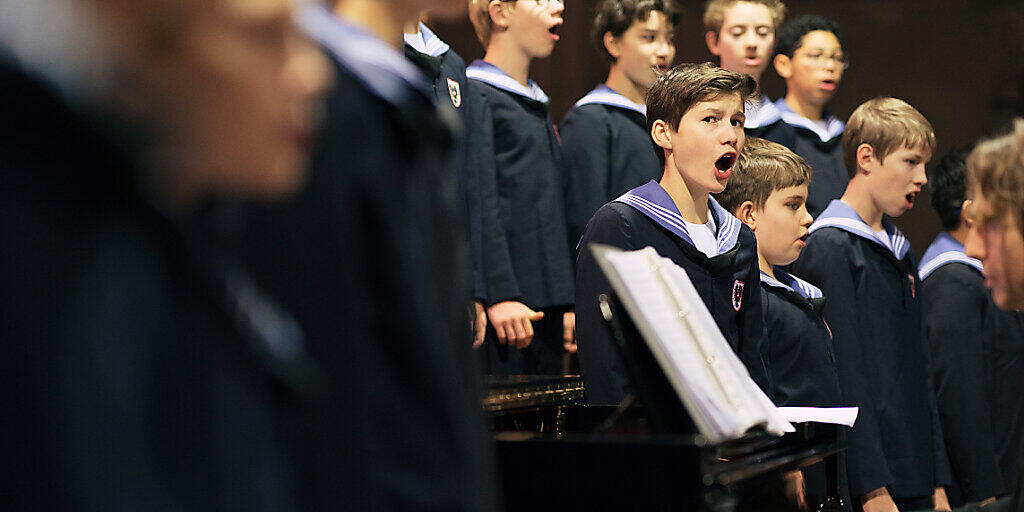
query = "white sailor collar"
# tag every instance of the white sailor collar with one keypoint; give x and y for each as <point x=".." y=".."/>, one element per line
<point x="833" y="126"/>
<point x="795" y="284"/>
<point x="945" y="249"/>
<point x="762" y="113"/>
<point x="655" y="203"/>
<point x="604" y="95"/>
<point x="426" y="42"/>
<point x="842" y="216"/>
<point x="493" y="75"/>
<point x="382" y="69"/>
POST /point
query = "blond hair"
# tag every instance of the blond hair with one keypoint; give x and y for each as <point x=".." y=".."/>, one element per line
<point x="714" y="12"/>
<point x="885" y="124"/>
<point x="763" y="167"/>
<point x="480" y="16"/>
<point x="995" y="169"/>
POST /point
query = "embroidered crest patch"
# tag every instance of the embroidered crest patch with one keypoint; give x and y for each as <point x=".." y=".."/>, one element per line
<point x="737" y="295"/>
<point x="455" y="92"/>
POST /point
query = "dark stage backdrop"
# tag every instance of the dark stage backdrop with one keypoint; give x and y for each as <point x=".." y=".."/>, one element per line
<point x="960" y="63"/>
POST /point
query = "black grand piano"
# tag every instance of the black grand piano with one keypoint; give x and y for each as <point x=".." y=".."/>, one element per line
<point x="556" y="453"/>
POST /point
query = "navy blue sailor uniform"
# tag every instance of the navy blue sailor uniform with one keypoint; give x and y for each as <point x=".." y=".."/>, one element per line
<point x="524" y="234"/>
<point x="447" y="72"/>
<point x="800" y="358"/>
<point x="821" y="145"/>
<point x="608" y="152"/>
<point x="764" y="120"/>
<point x="728" y="283"/>
<point x="978" y="371"/>
<point x="874" y="312"/>
<point x="365" y="256"/>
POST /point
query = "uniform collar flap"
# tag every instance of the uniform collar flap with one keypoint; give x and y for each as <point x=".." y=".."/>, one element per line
<point x="425" y="41"/>
<point x="655" y="203"/>
<point x="604" y="95"/>
<point x="792" y="283"/>
<point x="491" y="74"/>
<point x="842" y="216"/>
<point x="945" y="249"/>
<point x="833" y="126"/>
<point x="761" y="114"/>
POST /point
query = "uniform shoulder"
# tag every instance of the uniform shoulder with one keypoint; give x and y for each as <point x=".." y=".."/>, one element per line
<point x="957" y="274"/>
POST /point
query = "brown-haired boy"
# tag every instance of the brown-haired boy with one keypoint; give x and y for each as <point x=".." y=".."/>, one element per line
<point x="695" y="118"/>
<point x="741" y="33"/>
<point x="604" y="137"/>
<point x="865" y="267"/>
<point x="768" y="193"/>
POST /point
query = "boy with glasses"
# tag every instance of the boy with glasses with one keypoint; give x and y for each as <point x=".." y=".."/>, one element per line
<point x="809" y="57"/>
<point x="604" y="137"/>
<point x="528" y="265"/>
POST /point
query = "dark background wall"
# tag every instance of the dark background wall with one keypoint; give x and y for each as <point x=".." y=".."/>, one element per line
<point x="960" y="63"/>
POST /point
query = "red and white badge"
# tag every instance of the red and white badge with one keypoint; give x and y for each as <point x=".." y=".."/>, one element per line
<point x="737" y="295"/>
<point x="455" y="92"/>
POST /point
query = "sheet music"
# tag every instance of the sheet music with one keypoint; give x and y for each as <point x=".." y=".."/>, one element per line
<point x="709" y="378"/>
<point x="837" y="415"/>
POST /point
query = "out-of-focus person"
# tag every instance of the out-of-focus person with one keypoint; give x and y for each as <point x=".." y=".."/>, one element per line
<point x="141" y="373"/>
<point x="367" y="259"/>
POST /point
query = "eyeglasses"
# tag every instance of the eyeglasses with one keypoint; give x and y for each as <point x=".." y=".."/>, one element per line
<point x="819" y="59"/>
<point x="540" y="3"/>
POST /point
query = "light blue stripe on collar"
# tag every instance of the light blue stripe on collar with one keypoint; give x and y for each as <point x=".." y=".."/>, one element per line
<point x="427" y="42"/>
<point x="833" y="126"/>
<point x="763" y="113"/>
<point x="381" y="68"/>
<point x="654" y="202"/>
<point x="604" y="95"/>
<point x="491" y="74"/>
<point x="945" y="249"/>
<point x="797" y="285"/>
<point x="842" y="216"/>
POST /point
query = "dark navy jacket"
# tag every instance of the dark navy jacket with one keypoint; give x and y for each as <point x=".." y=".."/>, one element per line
<point x="366" y="258"/>
<point x="978" y="371"/>
<point x="729" y="283"/>
<point x="447" y="72"/>
<point x="608" y="152"/>
<point x="764" y="120"/>
<point x="822" y="148"/>
<point x="525" y="252"/>
<point x="874" y="311"/>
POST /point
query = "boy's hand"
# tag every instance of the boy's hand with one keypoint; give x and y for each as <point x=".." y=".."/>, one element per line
<point x="796" y="490"/>
<point x="878" y="500"/>
<point x="513" y="322"/>
<point x="569" y="331"/>
<point x="479" y="323"/>
<point x="939" y="499"/>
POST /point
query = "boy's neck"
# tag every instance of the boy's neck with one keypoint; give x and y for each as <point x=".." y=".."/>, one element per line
<point x="960" y="233"/>
<point x="764" y="266"/>
<point x="858" y="198"/>
<point x="620" y="83"/>
<point x="692" y="204"/>
<point x="805" y="109"/>
<point x="513" y="62"/>
<point x="384" y="19"/>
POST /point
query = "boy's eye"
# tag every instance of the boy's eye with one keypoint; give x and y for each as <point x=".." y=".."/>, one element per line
<point x="762" y="31"/>
<point x="738" y="31"/>
<point x="649" y="38"/>
<point x="737" y="122"/>
<point x="794" y="206"/>
<point x="710" y="119"/>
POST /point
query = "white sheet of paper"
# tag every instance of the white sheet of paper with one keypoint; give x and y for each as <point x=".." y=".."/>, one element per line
<point x="838" y="415"/>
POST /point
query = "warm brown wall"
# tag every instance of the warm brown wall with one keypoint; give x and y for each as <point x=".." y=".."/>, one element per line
<point x="959" y="63"/>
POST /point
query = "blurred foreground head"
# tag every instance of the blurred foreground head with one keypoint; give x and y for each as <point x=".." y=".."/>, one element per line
<point x="224" y="94"/>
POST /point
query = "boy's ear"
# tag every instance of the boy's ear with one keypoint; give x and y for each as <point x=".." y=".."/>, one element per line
<point x="660" y="133"/>
<point x="499" y="14"/>
<point x="783" y="66"/>
<point x="711" y="39"/>
<point x="746" y="213"/>
<point x="865" y="158"/>
<point x="611" y="44"/>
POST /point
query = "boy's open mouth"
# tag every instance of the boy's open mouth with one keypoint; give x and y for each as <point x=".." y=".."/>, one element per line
<point x="828" y="85"/>
<point x="723" y="166"/>
<point x="910" y="199"/>
<point x="553" y="30"/>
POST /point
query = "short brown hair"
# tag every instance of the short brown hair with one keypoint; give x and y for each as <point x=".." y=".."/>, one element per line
<point x="763" y="168"/>
<point x="616" y="16"/>
<point x="480" y="16"/>
<point x="885" y="124"/>
<point x="714" y="12"/>
<point x="685" y="85"/>
<point x="996" y="169"/>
